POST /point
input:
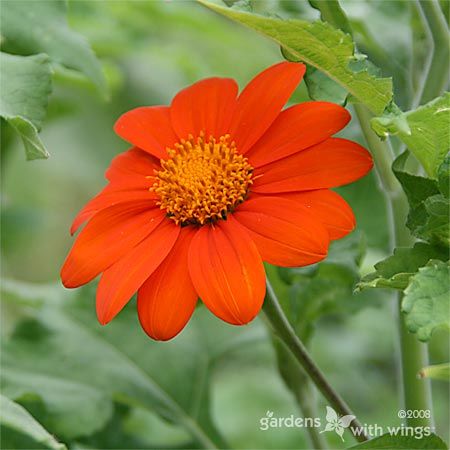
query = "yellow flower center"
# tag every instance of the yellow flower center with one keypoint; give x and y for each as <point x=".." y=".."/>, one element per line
<point x="203" y="180"/>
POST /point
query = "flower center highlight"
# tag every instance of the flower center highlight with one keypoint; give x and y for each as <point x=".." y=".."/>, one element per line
<point x="203" y="180"/>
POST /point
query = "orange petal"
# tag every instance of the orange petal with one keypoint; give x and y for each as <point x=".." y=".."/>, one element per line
<point x="297" y="128"/>
<point x="167" y="299"/>
<point x="205" y="106"/>
<point x="286" y="233"/>
<point x="227" y="271"/>
<point x="122" y="280"/>
<point x="261" y="101"/>
<point x="329" y="207"/>
<point x="331" y="163"/>
<point x="110" y="197"/>
<point x="110" y="234"/>
<point x="149" y="128"/>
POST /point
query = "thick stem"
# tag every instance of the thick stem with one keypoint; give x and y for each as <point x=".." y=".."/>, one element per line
<point x="282" y="327"/>
<point x="416" y="394"/>
<point x="438" y="74"/>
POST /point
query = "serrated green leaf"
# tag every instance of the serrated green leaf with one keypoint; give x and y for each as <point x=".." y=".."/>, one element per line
<point x="319" y="45"/>
<point x="24" y="90"/>
<point x="426" y="302"/>
<point x="436" y="372"/>
<point x="14" y="416"/>
<point x="391" y="442"/>
<point x="30" y="27"/>
<point x="425" y="130"/>
<point x="395" y="271"/>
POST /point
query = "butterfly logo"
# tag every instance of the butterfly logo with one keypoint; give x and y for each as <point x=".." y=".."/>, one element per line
<point x="336" y="423"/>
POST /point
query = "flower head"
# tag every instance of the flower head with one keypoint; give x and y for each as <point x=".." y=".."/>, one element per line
<point x="215" y="184"/>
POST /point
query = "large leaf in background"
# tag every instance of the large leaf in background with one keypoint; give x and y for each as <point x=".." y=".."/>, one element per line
<point x="396" y="270"/>
<point x="14" y="416"/>
<point x="425" y="131"/>
<point x="24" y="90"/>
<point x="426" y="302"/>
<point x="322" y="46"/>
<point x="30" y="27"/>
<point x="62" y="343"/>
<point x="390" y="442"/>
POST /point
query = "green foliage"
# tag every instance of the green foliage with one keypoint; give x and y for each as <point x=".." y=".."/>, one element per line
<point x="396" y="270"/>
<point x="37" y="28"/>
<point x="331" y="12"/>
<point x="325" y="288"/>
<point x="25" y="87"/>
<point x="30" y="27"/>
<point x="14" y="416"/>
<point x="428" y="218"/>
<point x="321" y="87"/>
<point x="52" y="363"/>
<point x="321" y="46"/>
<point x="390" y="442"/>
<point x="427" y="300"/>
<point x="425" y="131"/>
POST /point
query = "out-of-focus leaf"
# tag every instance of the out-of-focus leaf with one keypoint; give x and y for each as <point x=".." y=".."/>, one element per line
<point x="391" y="442"/>
<point x="425" y="131"/>
<point x="64" y="346"/>
<point x="24" y="90"/>
<point x="426" y="302"/>
<point x="396" y="270"/>
<point x="14" y="416"/>
<point x="30" y="27"/>
<point x="436" y="372"/>
<point x="324" y="288"/>
<point x="322" y="46"/>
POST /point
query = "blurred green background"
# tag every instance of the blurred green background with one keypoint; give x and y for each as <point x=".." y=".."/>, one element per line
<point x="150" y="50"/>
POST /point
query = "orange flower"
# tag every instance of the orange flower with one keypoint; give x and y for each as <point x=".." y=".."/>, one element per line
<point x="214" y="185"/>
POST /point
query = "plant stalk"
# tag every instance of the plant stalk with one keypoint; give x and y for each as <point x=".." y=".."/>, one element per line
<point x="416" y="394"/>
<point x="438" y="73"/>
<point x="283" y="329"/>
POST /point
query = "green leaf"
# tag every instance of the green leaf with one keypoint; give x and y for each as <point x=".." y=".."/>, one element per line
<point x="390" y="442"/>
<point x="444" y="177"/>
<point x="436" y="372"/>
<point x="322" y="87"/>
<point x="436" y="227"/>
<point x="321" y="46"/>
<point x="396" y="270"/>
<point x="63" y="345"/>
<point x="428" y="218"/>
<point x="25" y="87"/>
<point x="324" y="288"/>
<point x="14" y="416"/>
<point x="427" y="300"/>
<point x="425" y="131"/>
<point x="30" y="27"/>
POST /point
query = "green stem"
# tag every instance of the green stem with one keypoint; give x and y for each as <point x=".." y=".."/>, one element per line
<point x="438" y="73"/>
<point x="306" y="400"/>
<point x="416" y="394"/>
<point x="282" y="327"/>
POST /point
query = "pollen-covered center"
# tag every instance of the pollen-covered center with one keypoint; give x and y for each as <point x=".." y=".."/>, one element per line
<point x="203" y="180"/>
